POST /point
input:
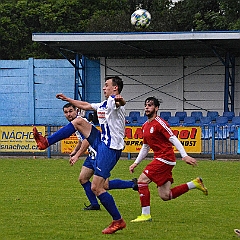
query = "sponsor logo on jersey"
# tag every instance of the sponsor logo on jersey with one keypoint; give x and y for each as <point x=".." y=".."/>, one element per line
<point x="101" y="114"/>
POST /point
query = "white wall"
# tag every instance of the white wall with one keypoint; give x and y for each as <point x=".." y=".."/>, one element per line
<point x="183" y="84"/>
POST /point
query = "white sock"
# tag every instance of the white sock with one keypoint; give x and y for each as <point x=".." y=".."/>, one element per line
<point x="146" y="210"/>
<point x="191" y="185"/>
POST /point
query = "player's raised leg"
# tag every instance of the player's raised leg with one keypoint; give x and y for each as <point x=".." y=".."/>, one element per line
<point x="77" y="124"/>
<point x="42" y="142"/>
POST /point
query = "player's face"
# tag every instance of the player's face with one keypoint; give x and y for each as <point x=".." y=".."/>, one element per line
<point x="109" y="89"/>
<point x="70" y="113"/>
<point x="150" y="109"/>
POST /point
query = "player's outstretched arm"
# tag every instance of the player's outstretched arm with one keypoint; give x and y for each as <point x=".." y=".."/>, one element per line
<point x="79" y="104"/>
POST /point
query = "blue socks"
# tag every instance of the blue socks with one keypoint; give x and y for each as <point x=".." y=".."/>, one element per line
<point x="62" y="133"/>
<point x="108" y="202"/>
<point x="119" y="184"/>
<point x="90" y="195"/>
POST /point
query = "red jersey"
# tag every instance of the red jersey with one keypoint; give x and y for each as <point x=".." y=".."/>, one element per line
<point x="156" y="134"/>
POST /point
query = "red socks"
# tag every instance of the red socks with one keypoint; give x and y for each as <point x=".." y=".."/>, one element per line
<point x="144" y="194"/>
<point x="178" y="190"/>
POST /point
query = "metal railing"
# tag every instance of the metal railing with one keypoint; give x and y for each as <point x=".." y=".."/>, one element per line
<point x="216" y="140"/>
<point x="220" y="140"/>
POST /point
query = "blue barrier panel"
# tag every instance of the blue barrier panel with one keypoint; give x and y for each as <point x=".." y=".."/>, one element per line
<point x="238" y="151"/>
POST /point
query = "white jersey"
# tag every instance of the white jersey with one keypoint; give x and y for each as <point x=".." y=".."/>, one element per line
<point x="112" y="122"/>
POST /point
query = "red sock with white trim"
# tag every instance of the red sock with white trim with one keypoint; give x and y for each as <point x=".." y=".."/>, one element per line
<point x="144" y="194"/>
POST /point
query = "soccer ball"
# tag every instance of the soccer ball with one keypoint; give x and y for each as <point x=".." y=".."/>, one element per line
<point x="141" y="19"/>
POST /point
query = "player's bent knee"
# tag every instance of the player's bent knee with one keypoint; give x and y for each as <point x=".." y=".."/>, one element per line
<point x="82" y="180"/>
<point x="97" y="190"/>
<point x="94" y="188"/>
<point x="79" y="121"/>
<point x="106" y="186"/>
<point x="164" y="197"/>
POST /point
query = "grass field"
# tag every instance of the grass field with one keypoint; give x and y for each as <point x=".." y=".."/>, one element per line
<point x="42" y="199"/>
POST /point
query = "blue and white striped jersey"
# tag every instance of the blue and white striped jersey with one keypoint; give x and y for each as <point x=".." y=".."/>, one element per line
<point x="112" y="122"/>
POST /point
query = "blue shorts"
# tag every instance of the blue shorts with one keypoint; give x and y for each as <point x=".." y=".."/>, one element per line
<point x="89" y="163"/>
<point x="106" y="157"/>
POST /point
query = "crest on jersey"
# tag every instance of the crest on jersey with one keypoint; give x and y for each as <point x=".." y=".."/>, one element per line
<point x="151" y="130"/>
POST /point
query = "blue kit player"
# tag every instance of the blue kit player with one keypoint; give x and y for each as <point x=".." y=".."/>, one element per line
<point x="108" y="143"/>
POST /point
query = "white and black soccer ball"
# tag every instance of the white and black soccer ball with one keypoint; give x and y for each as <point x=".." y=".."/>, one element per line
<point x="141" y="19"/>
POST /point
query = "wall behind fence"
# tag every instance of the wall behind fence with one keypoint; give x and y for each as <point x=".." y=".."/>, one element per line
<point x="16" y="92"/>
<point x="50" y="78"/>
<point x="28" y="89"/>
<point x="183" y="83"/>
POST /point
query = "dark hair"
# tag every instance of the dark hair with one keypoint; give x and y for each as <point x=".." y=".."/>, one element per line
<point x="67" y="105"/>
<point x="154" y="100"/>
<point x="116" y="81"/>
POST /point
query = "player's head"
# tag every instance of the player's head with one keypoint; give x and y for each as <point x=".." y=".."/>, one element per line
<point x="151" y="106"/>
<point x="70" y="111"/>
<point x="113" y="86"/>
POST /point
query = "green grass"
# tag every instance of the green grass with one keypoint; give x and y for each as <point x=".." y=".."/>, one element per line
<point x="42" y="199"/>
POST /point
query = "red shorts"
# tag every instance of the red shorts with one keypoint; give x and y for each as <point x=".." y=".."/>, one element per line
<point x="159" y="172"/>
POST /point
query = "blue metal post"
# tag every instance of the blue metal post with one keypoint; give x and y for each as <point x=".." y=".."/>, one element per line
<point x="238" y="150"/>
<point x="229" y="83"/>
<point x="213" y="142"/>
<point x="49" y="149"/>
<point x="83" y="62"/>
<point x="76" y="76"/>
<point x="79" y="88"/>
<point x="226" y="85"/>
<point x="232" y="82"/>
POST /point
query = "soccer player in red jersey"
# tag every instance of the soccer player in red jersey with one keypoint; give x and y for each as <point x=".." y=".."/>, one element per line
<point x="158" y="136"/>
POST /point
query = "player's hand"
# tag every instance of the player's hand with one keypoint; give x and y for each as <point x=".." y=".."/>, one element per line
<point x="191" y="161"/>
<point x="119" y="100"/>
<point x="72" y="153"/>
<point x="131" y="168"/>
<point x="61" y="96"/>
<point x="73" y="160"/>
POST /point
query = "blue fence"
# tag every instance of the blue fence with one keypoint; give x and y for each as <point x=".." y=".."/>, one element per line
<point x="216" y="141"/>
<point x="27" y="97"/>
<point x="219" y="131"/>
<point x="220" y="140"/>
